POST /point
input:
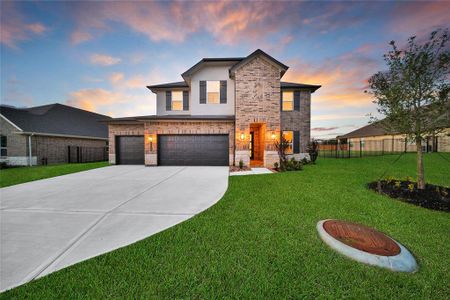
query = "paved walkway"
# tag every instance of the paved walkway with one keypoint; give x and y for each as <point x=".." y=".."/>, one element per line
<point x="253" y="171"/>
<point x="49" y="224"/>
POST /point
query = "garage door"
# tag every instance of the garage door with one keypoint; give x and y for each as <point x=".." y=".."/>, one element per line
<point x="193" y="150"/>
<point x="130" y="150"/>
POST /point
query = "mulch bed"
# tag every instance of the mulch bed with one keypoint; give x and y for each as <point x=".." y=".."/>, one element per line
<point x="432" y="197"/>
<point x="237" y="169"/>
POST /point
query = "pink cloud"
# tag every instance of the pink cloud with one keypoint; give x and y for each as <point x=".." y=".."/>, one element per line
<point x="420" y="18"/>
<point x="78" y="37"/>
<point x="14" y="27"/>
<point x="103" y="59"/>
<point x="229" y="22"/>
<point x="113" y="103"/>
<point x="343" y="79"/>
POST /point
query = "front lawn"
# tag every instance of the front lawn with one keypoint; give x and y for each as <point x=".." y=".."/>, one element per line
<point x="18" y="175"/>
<point x="260" y="241"/>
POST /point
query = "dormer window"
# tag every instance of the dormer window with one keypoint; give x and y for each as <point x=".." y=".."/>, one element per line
<point x="177" y="100"/>
<point x="213" y="92"/>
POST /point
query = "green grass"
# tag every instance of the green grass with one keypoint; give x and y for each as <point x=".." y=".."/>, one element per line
<point x="260" y="241"/>
<point x="18" y="175"/>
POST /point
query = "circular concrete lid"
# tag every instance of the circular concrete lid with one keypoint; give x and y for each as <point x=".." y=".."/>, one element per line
<point x="366" y="245"/>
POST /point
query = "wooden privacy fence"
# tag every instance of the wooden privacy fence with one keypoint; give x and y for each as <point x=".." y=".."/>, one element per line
<point x="352" y="148"/>
<point x="77" y="154"/>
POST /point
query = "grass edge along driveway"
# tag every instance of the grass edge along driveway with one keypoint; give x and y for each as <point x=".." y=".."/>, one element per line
<point x="260" y="241"/>
<point x="17" y="175"/>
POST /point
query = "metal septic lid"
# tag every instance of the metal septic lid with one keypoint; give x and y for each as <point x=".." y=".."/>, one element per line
<point x="366" y="245"/>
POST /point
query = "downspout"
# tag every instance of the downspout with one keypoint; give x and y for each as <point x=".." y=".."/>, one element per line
<point x="29" y="150"/>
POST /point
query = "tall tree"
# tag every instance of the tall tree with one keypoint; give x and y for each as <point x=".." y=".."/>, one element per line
<point x="413" y="93"/>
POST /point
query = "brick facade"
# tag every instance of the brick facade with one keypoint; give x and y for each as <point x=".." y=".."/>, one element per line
<point x="257" y="101"/>
<point x="153" y="128"/>
<point x="53" y="149"/>
<point x="299" y="120"/>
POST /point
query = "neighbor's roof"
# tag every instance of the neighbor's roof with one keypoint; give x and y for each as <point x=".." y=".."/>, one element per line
<point x="57" y="119"/>
<point x="170" y="117"/>
<point x="373" y="129"/>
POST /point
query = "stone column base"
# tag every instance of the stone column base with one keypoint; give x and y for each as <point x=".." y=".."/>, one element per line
<point x="112" y="159"/>
<point x="270" y="157"/>
<point x="151" y="159"/>
<point x="243" y="155"/>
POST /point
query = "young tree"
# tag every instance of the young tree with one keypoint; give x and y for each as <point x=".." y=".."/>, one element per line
<point x="413" y="94"/>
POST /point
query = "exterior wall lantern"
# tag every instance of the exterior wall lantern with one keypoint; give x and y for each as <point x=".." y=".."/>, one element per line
<point x="273" y="136"/>
<point x="242" y="136"/>
<point x="150" y="139"/>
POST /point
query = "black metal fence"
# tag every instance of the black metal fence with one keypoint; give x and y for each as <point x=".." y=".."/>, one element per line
<point x="353" y="148"/>
<point x="76" y="154"/>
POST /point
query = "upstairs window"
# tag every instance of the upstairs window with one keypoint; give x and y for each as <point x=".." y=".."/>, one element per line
<point x="288" y="101"/>
<point x="213" y="92"/>
<point x="177" y="100"/>
<point x="289" y="137"/>
<point x="3" y="146"/>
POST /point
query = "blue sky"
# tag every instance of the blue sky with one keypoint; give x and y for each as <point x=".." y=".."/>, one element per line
<point x="100" y="55"/>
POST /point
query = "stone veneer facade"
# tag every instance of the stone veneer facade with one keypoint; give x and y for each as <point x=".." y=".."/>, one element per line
<point x="257" y="101"/>
<point x="299" y="121"/>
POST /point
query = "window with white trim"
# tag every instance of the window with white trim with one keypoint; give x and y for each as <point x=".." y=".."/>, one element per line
<point x="3" y="146"/>
<point x="288" y="101"/>
<point x="177" y="100"/>
<point x="213" y="92"/>
<point x="288" y="136"/>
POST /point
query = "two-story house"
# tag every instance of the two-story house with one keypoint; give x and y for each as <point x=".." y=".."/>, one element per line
<point x="225" y="110"/>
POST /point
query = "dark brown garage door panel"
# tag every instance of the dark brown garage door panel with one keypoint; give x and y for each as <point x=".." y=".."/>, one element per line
<point x="193" y="150"/>
<point x="130" y="150"/>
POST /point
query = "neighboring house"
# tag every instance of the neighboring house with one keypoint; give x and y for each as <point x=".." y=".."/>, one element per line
<point x="52" y="131"/>
<point x="225" y="110"/>
<point x="374" y="137"/>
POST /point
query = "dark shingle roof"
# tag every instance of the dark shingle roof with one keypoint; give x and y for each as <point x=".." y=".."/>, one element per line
<point x="373" y="129"/>
<point x="169" y="85"/>
<point x="170" y="117"/>
<point x="210" y="59"/>
<point x="293" y="85"/>
<point x="57" y="119"/>
<point x="255" y="53"/>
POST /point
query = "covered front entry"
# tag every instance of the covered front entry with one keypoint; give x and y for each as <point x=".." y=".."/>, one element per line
<point x="193" y="150"/>
<point x="130" y="150"/>
<point x="257" y="133"/>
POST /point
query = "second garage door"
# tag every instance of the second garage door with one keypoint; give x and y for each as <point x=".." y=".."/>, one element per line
<point x="193" y="150"/>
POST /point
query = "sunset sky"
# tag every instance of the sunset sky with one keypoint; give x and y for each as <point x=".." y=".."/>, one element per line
<point x="100" y="56"/>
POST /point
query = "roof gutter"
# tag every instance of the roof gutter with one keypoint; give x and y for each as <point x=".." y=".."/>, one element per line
<point x="63" y="135"/>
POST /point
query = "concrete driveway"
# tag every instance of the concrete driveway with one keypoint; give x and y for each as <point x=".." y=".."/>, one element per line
<point x="49" y="224"/>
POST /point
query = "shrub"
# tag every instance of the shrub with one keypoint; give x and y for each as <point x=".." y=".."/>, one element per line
<point x="411" y="187"/>
<point x="241" y="164"/>
<point x="291" y="165"/>
<point x="304" y="161"/>
<point x="313" y="150"/>
<point x="397" y="184"/>
<point x="276" y="166"/>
